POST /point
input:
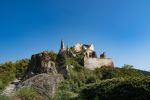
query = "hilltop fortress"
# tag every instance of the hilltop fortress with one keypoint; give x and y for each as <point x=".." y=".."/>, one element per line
<point x="91" y="61"/>
<point x="41" y="62"/>
<point x="43" y="71"/>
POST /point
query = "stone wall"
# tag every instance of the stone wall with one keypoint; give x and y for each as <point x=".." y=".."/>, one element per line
<point x="80" y="47"/>
<point x="92" y="63"/>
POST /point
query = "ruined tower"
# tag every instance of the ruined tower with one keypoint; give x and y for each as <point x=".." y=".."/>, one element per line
<point x="62" y="47"/>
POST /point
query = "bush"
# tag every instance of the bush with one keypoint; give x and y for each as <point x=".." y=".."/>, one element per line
<point x="1" y="86"/>
<point x="7" y="74"/>
<point x="2" y="97"/>
<point x="109" y="72"/>
<point x="116" y="89"/>
<point x="52" y="55"/>
<point x="65" y="95"/>
<point x="61" y="60"/>
<point x="9" y="71"/>
<point x="106" y="72"/>
<point x="129" y="71"/>
<point x="21" y="67"/>
<point x="67" y="90"/>
<point x="28" y="93"/>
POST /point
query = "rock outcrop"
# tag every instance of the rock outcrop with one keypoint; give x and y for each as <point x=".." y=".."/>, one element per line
<point x="11" y="88"/>
<point x="45" y="84"/>
<point x="42" y="75"/>
<point x="40" y="63"/>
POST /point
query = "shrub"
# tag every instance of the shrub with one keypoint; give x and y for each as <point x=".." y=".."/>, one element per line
<point x="28" y="93"/>
<point x="118" y="89"/>
<point x="109" y="73"/>
<point x="129" y="71"/>
<point x="21" y="67"/>
<point x="65" y="95"/>
<point x="106" y="72"/>
<point x="2" y="97"/>
<point x="7" y="74"/>
<point x="52" y="55"/>
<point x="1" y="86"/>
<point x="61" y="60"/>
<point x="67" y="90"/>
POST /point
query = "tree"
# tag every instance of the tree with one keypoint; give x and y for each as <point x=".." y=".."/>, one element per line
<point x="21" y="67"/>
<point x="52" y="55"/>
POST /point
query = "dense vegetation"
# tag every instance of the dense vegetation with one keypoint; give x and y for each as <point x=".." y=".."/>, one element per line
<point x="73" y="87"/>
<point x="11" y="70"/>
<point x="103" y="83"/>
<point x="108" y="79"/>
<point x="27" y="93"/>
<point x="118" y="89"/>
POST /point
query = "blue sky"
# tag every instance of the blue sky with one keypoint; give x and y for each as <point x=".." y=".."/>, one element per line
<point x="121" y="28"/>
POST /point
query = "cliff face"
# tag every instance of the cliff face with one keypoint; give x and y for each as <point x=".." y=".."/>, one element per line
<point x="92" y="63"/>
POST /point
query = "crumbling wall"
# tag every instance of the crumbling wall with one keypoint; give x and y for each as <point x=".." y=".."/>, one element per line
<point x="92" y="63"/>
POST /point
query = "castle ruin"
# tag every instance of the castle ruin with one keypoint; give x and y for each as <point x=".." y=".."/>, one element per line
<point x="91" y="61"/>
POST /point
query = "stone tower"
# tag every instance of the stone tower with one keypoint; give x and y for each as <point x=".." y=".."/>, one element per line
<point x="62" y="47"/>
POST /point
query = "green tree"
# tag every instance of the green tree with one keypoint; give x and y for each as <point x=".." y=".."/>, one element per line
<point x="61" y="60"/>
<point x="21" y="67"/>
<point x="52" y="55"/>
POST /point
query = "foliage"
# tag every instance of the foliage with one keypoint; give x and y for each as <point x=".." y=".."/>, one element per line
<point x="80" y="58"/>
<point x="9" y="71"/>
<point x="109" y="72"/>
<point x="1" y="86"/>
<point x="129" y="71"/>
<point x="106" y="73"/>
<point x="114" y="89"/>
<point x="52" y="55"/>
<point x="82" y="77"/>
<point x="21" y="67"/>
<point x="103" y="83"/>
<point x="2" y="97"/>
<point x="67" y="90"/>
<point x="61" y="60"/>
<point x="7" y="74"/>
<point x="28" y="93"/>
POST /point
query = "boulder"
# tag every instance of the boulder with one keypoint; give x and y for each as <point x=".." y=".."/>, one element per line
<point x="45" y="84"/>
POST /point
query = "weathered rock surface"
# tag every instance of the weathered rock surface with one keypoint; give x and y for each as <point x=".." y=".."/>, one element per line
<point x="11" y="88"/>
<point x="45" y="84"/>
<point x="42" y="75"/>
<point x="40" y="63"/>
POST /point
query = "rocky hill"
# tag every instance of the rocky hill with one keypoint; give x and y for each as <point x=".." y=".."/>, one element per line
<point x="70" y="74"/>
